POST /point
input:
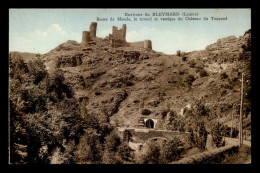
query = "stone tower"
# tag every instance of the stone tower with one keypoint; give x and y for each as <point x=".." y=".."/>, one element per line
<point x="119" y="36"/>
<point x="93" y="30"/>
<point x="124" y="30"/>
<point x="85" y="38"/>
<point x="147" y="44"/>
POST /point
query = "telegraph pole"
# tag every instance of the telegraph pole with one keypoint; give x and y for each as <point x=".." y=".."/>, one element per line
<point x="232" y="122"/>
<point x="241" y="115"/>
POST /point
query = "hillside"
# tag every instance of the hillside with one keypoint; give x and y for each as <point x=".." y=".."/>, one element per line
<point x="126" y="83"/>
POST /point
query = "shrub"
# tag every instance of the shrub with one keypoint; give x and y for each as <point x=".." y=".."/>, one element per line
<point x="178" y="52"/>
<point x="223" y="75"/>
<point x="198" y="135"/>
<point x="189" y="79"/>
<point x="198" y="68"/>
<point x="182" y="72"/>
<point x="172" y="116"/>
<point x="146" y="112"/>
<point x="153" y="154"/>
<point x="17" y="66"/>
<point x="192" y="63"/>
<point x="217" y="135"/>
<point x="184" y="58"/>
<point x="37" y="70"/>
<point x="171" y="151"/>
<point x="89" y="149"/>
<point x="164" y="113"/>
<point x="203" y="72"/>
<point x="116" y="151"/>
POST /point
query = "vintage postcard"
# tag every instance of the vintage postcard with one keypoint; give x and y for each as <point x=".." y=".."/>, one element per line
<point x="129" y="86"/>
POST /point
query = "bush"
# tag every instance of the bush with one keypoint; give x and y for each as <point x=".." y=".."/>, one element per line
<point x="217" y="135"/>
<point x="89" y="149"/>
<point x="171" y="151"/>
<point x="146" y="112"/>
<point x="189" y="79"/>
<point x="198" y="69"/>
<point x="153" y="155"/>
<point x="203" y="72"/>
<point x="178" y="52"/>
<point x="182" y="72"/>
<point x="192" y="63"/>
<point x="163" y="153"/>
<point x="223" y="75"/>
<point x="198" y="135"/>
<point x="172" y="116"/>
<point x="116" y="151"/>
<point x="37" y="70"/>
<point x="164" y="113"/>
<point x="184" y="58"/>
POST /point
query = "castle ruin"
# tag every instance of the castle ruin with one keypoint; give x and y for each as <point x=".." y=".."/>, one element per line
<point x="93" y="30"/>
<point x="117" y="38"/>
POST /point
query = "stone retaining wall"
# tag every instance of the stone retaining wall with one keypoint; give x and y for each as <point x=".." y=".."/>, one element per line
<point x="209" y="156"/>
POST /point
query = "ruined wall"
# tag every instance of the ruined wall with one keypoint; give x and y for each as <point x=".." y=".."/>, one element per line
<point x="119" y="36"/>
<point x="139" y="44"/>
<point x="146" y="44"/>
<point x="85" y="38"/>
<point x="124" y="30"/>
<point x="93" y="30"/>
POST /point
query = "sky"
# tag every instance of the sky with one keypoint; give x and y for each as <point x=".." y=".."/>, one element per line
<point x="40" y="30"/>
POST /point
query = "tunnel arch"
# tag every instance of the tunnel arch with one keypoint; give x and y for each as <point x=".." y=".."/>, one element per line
<point x="149" y="123"/>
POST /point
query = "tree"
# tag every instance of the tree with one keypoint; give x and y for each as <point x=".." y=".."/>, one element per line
<point x="153" y="155"/>
<point x="217" y="135"/>
<point x="171" y="150"/>
<point x="116" y="151"/>
<point x="37" y="69"/>
<point x="39" y="130"/>
<point x="89" y="149"/>
<point x="198" y="135"/>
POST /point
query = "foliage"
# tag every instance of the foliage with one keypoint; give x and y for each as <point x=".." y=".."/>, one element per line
<point x="152" y="156"/>
<point x="192" y="63"/>
<point x="184" y="58"/>
<point x="223" y="75"/>
<point x="115" y="151"/>
<point x="17" y="67"/>
<point x="217" y="135"/>
<point x="37" y="70"/>
<point x="196" y="118"/>
<point x="203" y="72"/>
<point x="146" y="112"/>
<point x="198" y="135"/>
<point x="188" y="80"/>
<point x="163" y="153"/>
<point x="40" y="129"/>
<point x="171" y="151"/>
<point x="89" y="149"/>
<point x="56" y="87"/>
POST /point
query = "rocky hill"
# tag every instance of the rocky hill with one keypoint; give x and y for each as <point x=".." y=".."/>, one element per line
<point x="65" y="103"/>
<point x="122" y="82"/>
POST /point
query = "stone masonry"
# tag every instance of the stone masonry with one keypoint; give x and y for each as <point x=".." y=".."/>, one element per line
<point x="118" y="38"/>
<point x="85" y="38"/>
<point x="89" y="35"/>
<point x="93" y="30"/>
